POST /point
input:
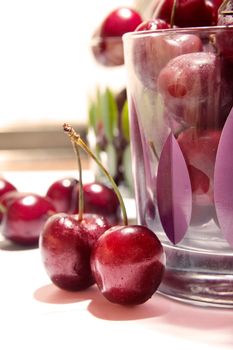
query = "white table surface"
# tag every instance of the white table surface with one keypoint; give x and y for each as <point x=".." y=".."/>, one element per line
<point x="34" y="314"/>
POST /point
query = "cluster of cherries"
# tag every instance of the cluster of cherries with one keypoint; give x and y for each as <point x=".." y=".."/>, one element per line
<point x="191" y="107"/>
<point x="77" y="227"/>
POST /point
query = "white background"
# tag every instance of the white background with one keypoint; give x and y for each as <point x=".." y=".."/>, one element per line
<point x="45" y="69"/>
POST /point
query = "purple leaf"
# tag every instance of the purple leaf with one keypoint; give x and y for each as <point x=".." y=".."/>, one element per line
<point x="174" y="192"/>
<point x="223" y="180"/>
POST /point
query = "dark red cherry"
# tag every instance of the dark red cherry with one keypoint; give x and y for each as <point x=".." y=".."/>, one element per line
<point x="106" y="45"/>
<point x="189" y="13"/>
<point x="6" y="199"/>
<point x="6" y="186"/>
<point x="119" y="22"/>
<point x="65" y="244"/>
<point x="24" y="218"/>
<point x="63" y="195"/>
<point x="153" y="24"/>
<point x="102" y="200"/>
<point x="128" y="264"/>
<point x="224" y="38"/>
<point x="199" y="148"/>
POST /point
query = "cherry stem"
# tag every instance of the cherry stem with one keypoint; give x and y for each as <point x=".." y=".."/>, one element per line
<point x="222" y="6"/>
<point x="2" y="209"/>
<point x="80" y="197"/>
<point x="173" y="14"/>
<point x="76" y="138"/>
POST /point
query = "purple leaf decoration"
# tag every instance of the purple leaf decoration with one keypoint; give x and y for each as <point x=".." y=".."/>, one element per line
<point x="174" y="192"/>
<point x="223" y="180"/>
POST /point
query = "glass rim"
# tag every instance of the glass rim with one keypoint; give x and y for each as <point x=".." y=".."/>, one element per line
<point x="163" y="32"/>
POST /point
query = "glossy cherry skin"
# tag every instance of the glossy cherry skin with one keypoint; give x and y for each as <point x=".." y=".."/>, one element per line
<point x="190" y="84"/>
<point x="199" y="148"/>
<point x="107" y="46"/>
<point x="119" y="22"/>
<point x="128" y="264"/>
<point x="7" y="198"/>
<point x="5" y="187"/>
<point x="152" y="53"/>
<point x="189" y="13"/>
<point x="63" y="195"/>
<point x="102" y="200"/>
<point x="24" y="219"/>
<point x="65" y="244"/>
<point x="153" y="24"/>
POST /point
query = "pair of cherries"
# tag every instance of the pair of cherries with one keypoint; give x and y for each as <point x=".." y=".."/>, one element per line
<point x="125" y="261"/>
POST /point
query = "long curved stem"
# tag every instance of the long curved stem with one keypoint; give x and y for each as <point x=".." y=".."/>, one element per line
<point x="80" y="196"/>
<point x="76" y="138"/>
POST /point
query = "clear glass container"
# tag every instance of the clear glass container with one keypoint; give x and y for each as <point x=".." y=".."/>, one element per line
<point x="180" y="97"/>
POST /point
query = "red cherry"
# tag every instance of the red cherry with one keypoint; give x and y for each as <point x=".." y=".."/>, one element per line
<point x="128" y="264"/>
<point x="152" y="53"/>
<point x="120" y="21"/>
<point x="184" y="84"/>
<point x="199" y="149"/>
<point x="153" y="24"/>
<point x="102" y="200"/>
<point x="6" y="186"/>
<point x="189" y="13"/>
<point x="107" y="46"/>
<point x="65" y="245"/>
<point x="25" y="217"/>
<point x="7" y="198"/>
<point x="63" y="195"/>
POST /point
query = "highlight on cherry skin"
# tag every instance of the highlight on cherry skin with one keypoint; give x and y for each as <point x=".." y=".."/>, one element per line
<point x="189" y="85"/>
<point x="65" y="245"/>
<point x="98" y="198"/>
<point x="5" y="187"/>
<point x="148" y="60"/>
<point x="128" y="264"/>
<point x="25" y="215"/>
<point x="107" y="45"/>
<point x="63" y="193"/>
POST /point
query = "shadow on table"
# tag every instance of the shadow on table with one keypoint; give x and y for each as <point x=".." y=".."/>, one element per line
<point x="10" y="246"/>
<point x="53" y="295"/>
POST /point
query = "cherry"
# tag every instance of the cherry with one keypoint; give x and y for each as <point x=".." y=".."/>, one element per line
<point x="153" y="24"/>
<point x="66" y="242"/>
<point x="128" y="264"/>
<point x="24" y="217"/>
<point x="189" y="85"/>
<point x="151" y="53"/>
<point x="102" y="200"/>
<point x="107" y="46"/>
<point x="63" y="195"/>
<point x="189" y="13"/>
<point x="6" y="199"/>
<point x="5" y="187"/>
<point x="127" y="261"/>
<point x="120" y="21"/>
<point x="224" y="37"/>
<point x="65" y="245"/>
<point x="199" y="148"/>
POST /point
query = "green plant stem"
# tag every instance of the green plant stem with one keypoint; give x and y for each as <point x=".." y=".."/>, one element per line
<point x="76" y="138"/>
<point x="80" y="197"/>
